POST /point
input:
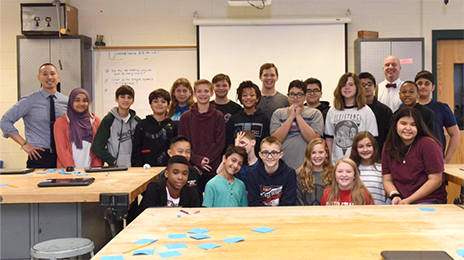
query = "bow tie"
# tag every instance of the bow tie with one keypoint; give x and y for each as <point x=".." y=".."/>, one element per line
<point x="391" y="85"/>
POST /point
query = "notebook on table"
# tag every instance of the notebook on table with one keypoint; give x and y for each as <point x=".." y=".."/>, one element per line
<point x="416" y="255"/>
<point x="16" y="170"/>
<point x="66" y="182"/>
<point x="105" y="169"/>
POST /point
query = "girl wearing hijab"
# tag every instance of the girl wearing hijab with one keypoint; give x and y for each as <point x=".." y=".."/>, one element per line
<point x="74" y="133"/>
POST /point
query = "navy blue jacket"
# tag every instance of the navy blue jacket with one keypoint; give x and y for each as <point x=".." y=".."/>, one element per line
<point x="278" y="189"/>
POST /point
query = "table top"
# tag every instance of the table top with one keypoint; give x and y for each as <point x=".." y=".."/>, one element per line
<point x="25" y="190"/>
<point x="454" y="174"/>
<point x="311" y="232"/>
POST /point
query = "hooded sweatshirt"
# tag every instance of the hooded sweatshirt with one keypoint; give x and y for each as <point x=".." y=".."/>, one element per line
<point x="258" y="123"/>
<point x="278" y="189"/>
<point x="206" y="133"/>
<point x="113" y="141"/>
<point x="151" y="141"/>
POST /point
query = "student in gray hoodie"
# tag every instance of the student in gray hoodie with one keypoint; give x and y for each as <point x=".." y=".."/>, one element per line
<point x="113" y="140"/>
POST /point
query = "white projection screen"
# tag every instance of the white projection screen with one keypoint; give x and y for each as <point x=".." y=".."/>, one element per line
<point x="299" y="51"/>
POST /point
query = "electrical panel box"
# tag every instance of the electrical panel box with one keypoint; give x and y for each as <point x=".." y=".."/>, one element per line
<point x="47" y="19"/>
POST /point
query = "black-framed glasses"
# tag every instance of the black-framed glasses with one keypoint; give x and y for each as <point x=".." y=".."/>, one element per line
<point x="298" y="95"/>
<point x="315" y="91"/>
<point x="369" y="84"/>
<point x="273" y="153"/>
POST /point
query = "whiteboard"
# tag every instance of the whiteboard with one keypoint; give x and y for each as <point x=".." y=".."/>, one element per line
<point x="143" y="69"/>
<point x="299" y="51"/>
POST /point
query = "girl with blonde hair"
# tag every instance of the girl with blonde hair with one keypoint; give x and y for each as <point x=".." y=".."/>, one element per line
<point x="181" y="98"/>
<point x="347" y="188"/>
<point x="315" y="174"/>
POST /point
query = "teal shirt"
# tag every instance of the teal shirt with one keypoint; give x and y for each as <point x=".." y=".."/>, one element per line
<point x="219" y="192"/>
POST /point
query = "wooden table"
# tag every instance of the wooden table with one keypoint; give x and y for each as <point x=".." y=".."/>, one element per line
<point x="455" y="177"/>
<point x="454" y="174"/>
<point x="30" y="214"/>
<point x="312" y="232"/>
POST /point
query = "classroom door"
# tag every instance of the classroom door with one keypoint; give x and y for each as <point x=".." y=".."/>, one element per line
<point x="449" y="54"/>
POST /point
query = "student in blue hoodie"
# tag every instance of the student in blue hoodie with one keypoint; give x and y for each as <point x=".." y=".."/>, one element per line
<point x="113" y="140"/>
<point x="271" y="182"/>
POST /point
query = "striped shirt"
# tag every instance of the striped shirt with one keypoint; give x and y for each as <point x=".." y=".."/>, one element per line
<point x="372" y="178"/>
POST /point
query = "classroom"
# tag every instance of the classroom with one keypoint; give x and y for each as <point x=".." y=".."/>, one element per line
<point x="136" y="30"/>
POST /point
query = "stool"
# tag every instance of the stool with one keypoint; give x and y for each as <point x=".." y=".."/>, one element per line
<point x="62" y="248"/>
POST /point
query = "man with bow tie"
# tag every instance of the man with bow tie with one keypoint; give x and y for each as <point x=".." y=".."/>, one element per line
<point x="389" y="89"/>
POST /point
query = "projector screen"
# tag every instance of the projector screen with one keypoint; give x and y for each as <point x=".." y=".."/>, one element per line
<point x="298" y="51"/>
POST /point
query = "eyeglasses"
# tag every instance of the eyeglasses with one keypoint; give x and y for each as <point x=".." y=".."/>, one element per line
<point x="369" y="84"/>
<point x="298" y="95"/>
<point x="273" y="153"/>
<point x="316" y="91"/>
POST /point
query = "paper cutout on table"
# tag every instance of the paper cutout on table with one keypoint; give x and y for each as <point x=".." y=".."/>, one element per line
<point x="263" y="229"/>
<point x="26" y="175"/>
<point x="208" y="246"/>
<point x="144" y="252"/>
<point x="198" y="230"/>
<point x="51" y="170"/>
<point x="405" y="61"/>
<point x="145" y="241"/>
<point x="177" y="236"/>
<point x="233" y="240"/>
<point x="428" y="209"/>
<point x="176" y="246"/>
<point x="3" y="184"/>
<point x="460" y="252"/>
<point x="200" y="236"/>
<point x="45" y="172"/>
<point x="112" y="257"/>
<point x="169" y="254"/>
<point x="82" y="174"/>
<point x="62" y="171"/>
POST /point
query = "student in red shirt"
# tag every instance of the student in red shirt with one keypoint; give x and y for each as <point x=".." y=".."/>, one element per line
<point x="347" y="188"/>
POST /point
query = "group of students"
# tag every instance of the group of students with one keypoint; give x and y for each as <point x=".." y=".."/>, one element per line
<point x="211" y="147"/>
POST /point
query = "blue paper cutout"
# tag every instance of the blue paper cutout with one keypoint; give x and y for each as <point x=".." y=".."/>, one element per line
<point x="144" y="252"/>
<point x="177" y="236"/>
<point x="460" y="252"/>
<point x="176" y="246"/>
<point x="263" y="229"/>
<point x="26" y="175"/>
<point x="170" y="254"/>
<point x="208" y="246"/>
<point x="45" y="172"/>
<point x="62" y="171"/>
<point x="145" y="241"/>
<point x="200" y="236"/>
<point x="82" y="174"/>
<point x="3" y="184"/>
<point x="112" y="257"/>
<point x="428" y="209"/>
<point x="198" y="230"/>
<point x="233" y="240"/>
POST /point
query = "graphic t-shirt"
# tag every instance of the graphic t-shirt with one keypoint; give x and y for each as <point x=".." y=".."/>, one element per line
<point x="343" y="125"/>
<point x="270" y="195"/>
<point x="172" y="201"/>
<point x="178" y="113"/>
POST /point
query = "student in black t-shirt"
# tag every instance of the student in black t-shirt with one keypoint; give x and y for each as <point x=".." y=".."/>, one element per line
<point x="249" y="118"/>
<point x="382" y="112"/>
<point x="221" y="85"/>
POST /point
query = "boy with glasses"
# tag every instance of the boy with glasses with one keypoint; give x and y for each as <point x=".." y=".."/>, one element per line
<point x="271" y="182"/>
<point x="314" y="94"/>
<point x="296" y="125"/>
<point x="382" y="112"/>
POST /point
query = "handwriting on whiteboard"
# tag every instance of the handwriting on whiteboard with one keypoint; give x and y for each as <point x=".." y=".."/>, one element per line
<point x="127" y="76"/>
<point x="119" y="55"/>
